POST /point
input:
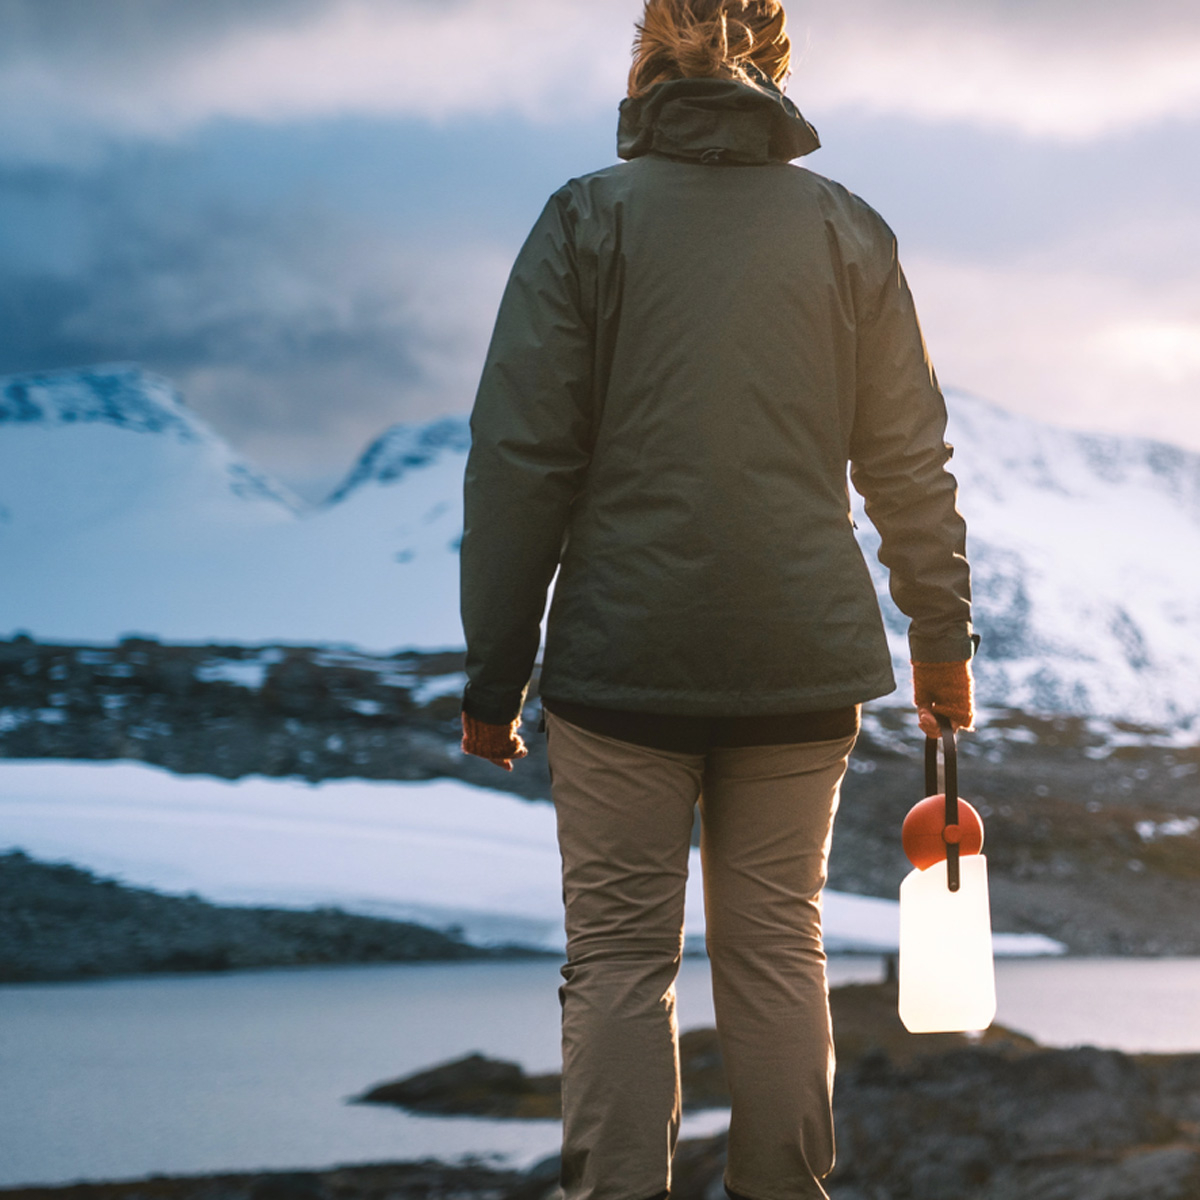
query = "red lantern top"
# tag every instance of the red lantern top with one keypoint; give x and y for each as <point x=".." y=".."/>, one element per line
<point x="925" y="834"/>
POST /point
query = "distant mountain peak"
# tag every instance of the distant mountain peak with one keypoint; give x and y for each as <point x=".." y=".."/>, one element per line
<point x="123" y="395"/>
<point x="405" y="448"/>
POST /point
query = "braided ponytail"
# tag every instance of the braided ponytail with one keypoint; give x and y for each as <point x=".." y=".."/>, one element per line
<point x="709" y="39"/>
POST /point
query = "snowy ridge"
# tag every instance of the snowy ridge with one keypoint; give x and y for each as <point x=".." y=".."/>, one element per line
<point x="121" y="513"/>
<point x="1082" y="550"/>
<point x="405" y="448"/>
<point x="124" y="396"/>
<point x="128" y="398"/>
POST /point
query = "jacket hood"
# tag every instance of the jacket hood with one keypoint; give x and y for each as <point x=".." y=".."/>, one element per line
<point x="715" y="121"/>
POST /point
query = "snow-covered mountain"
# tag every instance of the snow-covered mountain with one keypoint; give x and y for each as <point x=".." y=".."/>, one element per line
<point x="1085" y="553"/>
<point x="84" y="449"/>
<point x="120" y="512"/>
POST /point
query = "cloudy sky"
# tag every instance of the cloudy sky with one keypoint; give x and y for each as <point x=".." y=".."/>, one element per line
<point x="303" y="211"/>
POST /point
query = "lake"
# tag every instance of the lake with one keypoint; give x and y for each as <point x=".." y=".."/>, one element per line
<point x="188" y="1074"/>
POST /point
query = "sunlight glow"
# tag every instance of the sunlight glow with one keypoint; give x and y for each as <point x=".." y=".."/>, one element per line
<point x="1169" y="351"/>
<point x="1023" y="72"/>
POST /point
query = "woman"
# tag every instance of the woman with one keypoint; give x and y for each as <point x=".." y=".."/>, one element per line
<point x="691" y="349"/>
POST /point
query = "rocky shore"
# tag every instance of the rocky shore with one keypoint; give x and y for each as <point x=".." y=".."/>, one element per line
<point x="866" y="1025"/>
<point x="935" y="1118"/>
<point x="58" y="922"/>
<point x="383" y="1181"/>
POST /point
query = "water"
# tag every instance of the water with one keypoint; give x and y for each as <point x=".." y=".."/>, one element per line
<point x="187" y="1074"/>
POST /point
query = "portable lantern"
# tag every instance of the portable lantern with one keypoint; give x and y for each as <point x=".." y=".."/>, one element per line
<point x="947" y="976"/>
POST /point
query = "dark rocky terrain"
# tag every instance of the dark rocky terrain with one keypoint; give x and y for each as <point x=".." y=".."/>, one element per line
<point x="231" y="711"/>
<point x="917" y="1118"/>
<point x="865" y="1025"/>
<point x="59" y="922"/>
<point x="1093" y="828"/>
<point x="383" y="1181"/>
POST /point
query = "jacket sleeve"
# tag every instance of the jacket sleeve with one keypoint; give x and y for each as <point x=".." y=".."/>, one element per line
<point x="898" y="457"/>
<point x="530" y="446"/>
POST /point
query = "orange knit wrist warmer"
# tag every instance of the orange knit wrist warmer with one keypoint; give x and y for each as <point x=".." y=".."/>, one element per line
<point x="496" y="742"/>
<point x="947" y="689"/>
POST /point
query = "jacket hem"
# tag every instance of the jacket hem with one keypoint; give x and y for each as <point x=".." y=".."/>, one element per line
<point x="670" y="702"/>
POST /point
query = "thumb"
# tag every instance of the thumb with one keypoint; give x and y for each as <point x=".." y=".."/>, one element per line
<point x="928" y="723"/>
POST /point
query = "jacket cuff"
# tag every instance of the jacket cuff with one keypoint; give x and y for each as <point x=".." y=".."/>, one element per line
<point x="493" y="708"/>
<point x="952" y="647"/>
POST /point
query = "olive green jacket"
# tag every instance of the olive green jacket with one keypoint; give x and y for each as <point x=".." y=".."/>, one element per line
<point x="692" y="347"/>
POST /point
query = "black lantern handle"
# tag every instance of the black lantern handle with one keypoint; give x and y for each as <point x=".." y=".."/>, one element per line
<point x="950" y="754"/>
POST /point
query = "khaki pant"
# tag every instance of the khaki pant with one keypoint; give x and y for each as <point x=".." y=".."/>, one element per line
<point x="625" y="817"/>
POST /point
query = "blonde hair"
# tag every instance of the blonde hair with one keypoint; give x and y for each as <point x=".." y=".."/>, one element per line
<point x="708" y="39"/>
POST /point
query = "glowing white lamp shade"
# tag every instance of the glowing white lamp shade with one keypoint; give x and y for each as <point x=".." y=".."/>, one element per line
<point x="947" y="976"/>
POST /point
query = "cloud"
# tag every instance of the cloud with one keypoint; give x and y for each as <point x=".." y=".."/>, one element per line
<point x="187" y="199"/>
<point x="1164" y="350"/>
<point x="1059" y="69"/>
<point x="306" y="60"/>
<point x="1064" y="69"/>
<point x="299" y="334"/>
<point x="1074" y="344"/>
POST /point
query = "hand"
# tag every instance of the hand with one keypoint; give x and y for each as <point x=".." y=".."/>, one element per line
<point x="947" y="689"/>
<point x="930" y="726"/>
<point x="499" y="744"/>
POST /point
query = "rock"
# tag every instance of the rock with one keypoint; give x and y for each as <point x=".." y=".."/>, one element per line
<point x="864" y="1018"/>
<point x="61" y="922"/>
<point x="289" y="1187"/>
<point x="540" y="1182"/>
<point x="702" y="1070"/>
<point x="380" y="1181"/>
<point x="232" y="711"/>
<point x="477" y="1086"/>
<point x="940" y="1117"/>
<point x="472" y="1086"/>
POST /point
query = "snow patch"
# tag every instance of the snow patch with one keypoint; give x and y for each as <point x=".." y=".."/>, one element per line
<point x="1151" y="831"/>
<point x="443" y="854"/>
<point x="434" y="687"/>
<point x="241" y="672"/>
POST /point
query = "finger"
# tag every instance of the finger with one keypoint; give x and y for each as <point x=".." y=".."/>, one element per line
<point x="956" y="719"/>
<point x="506" y="763"/>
